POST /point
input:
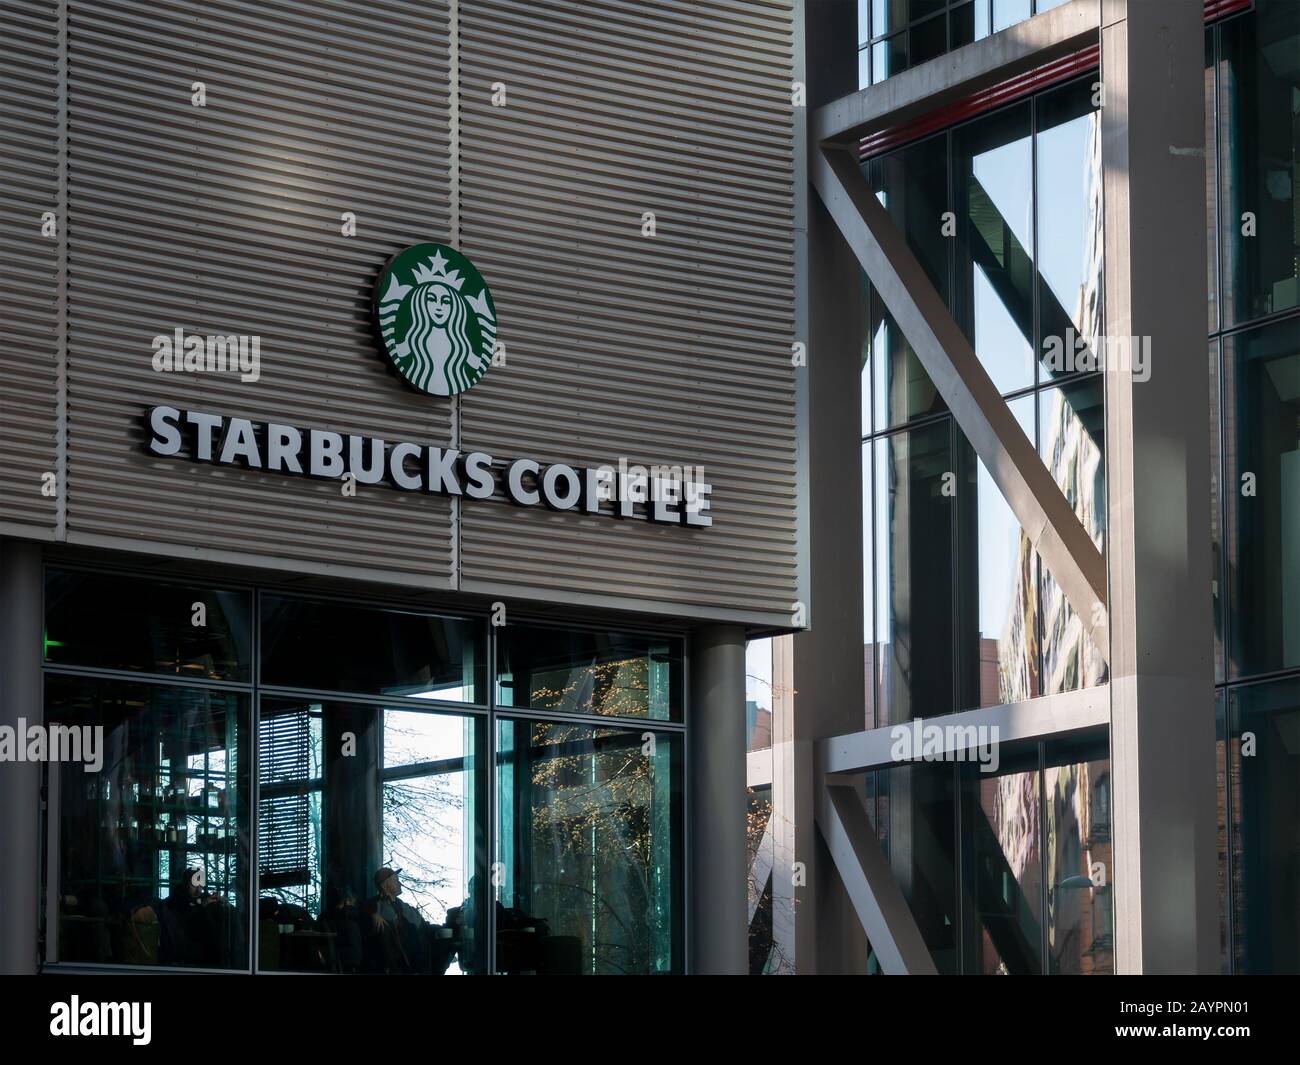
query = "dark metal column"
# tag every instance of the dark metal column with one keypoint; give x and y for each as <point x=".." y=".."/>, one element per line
<point x="20" y="697"/>
<point x="719" y="862"/>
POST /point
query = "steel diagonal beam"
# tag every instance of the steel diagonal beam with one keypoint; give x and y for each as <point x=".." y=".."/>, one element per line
<point x="877" y="899"/>
<point x="1040" y="506"/>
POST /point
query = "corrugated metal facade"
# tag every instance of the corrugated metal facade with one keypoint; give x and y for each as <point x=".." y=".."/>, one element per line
<point x="225" y="219"/>
<point x="671" y="349"/>
<point x="30" y="265"/>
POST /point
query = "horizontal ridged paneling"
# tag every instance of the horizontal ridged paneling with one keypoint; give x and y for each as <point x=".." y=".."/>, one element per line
<point x="226" y="219"/>
<point x="672" y="349"/>
<point x="29" y="263"/>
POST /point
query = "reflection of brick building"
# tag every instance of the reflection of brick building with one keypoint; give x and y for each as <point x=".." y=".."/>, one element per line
<point x="758" y="725"/>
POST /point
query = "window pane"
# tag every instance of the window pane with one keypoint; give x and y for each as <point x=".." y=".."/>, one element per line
<point x="868" y="591"/>
<point x="961" y="25"/>
<point x="141" y="625"/>
<point x="1259" y="90"/>
<point x="887" y="15"/>
<point x="914" y="574"/>
<point x="1072" y="426"/>
<point x="903" y="389"/>
<point x="1217" y="582"/>
<point x="758" y="694"/>
<point x="913" y="186"/>
<point x="589" y="838"/>
<point x="338" y="647"/>
<point x="1009" y="12"/>
<point x="574" y="672"/>
<point x="888" y="57"/>
<point x="760" y="851"/>
<point x="366" y="839"/>
<point x="1002" y="880"/>
<point x="1266" y="824"/>
<point x="928" y="39"/>
<point x="153" y="849"/>
<point x="1221" y="749"/>
<point x="998" y="601"/>
<point x="1262" y="370"/>
<point x="1080" y="869"/>
<point x="1211" y="182"/>
<point x="919" y="9"/>
<point x="917" y="823"/>
<point x="1069" y="224"/>
<point x="994" y="300"/>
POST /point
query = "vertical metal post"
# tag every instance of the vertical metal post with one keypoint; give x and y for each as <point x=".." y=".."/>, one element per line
<point x="20" y="781"/>
<point x="719" y="862"/>
<point x="1158" y="487"/>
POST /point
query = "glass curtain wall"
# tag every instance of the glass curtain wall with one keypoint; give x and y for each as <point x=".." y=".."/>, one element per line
<point x="896" y="34"/>
<point x="1007" y="871"/>
<point x="1253" y="127"/>
<point x="306" y="785"/>
<point x="1003" y="213"/>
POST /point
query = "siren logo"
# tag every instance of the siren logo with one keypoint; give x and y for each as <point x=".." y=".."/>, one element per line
<point x="436" y="319"/>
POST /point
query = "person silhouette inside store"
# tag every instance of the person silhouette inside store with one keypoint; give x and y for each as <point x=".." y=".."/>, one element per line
<point x="397" y="935"/>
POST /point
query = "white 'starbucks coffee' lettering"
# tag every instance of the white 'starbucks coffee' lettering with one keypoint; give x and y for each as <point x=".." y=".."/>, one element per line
<point x="409" y="467"/>
<point x="436" y="321"/>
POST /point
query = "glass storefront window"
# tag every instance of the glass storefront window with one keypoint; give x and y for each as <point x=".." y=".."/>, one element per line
<point x="1259" y="125"/>
<point x="320" y="645"/>
<point x="153" y="849"/>
<point x="370" y="816"/>
<point x="1265" y="810"/>
<point x="106" y="622"/>
<point x="1262" y="493"/>
<point x="577" y="672"/>
<point x="588" y="837"/>
<point x="367" y="856"/>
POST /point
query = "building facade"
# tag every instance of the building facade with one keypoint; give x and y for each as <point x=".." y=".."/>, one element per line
<point x="399" y="438"/>
<point x="498" y="487"/>
<point x="1111" y="778"/>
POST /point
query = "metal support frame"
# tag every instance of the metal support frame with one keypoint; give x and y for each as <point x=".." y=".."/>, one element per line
<point x="1153" y="682"/>
<point x="1048" y="519"/>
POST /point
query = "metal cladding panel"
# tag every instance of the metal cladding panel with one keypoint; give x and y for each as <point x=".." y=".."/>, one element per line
<point x="30" y="274"/>
<point x="672" y="349"/>
<point x="226" y="219"/>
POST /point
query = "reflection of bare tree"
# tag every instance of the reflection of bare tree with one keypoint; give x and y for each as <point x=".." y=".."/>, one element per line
<point x="599" y="862"/>
<point x="767" y="954"/>
<point x="416" y="837"/>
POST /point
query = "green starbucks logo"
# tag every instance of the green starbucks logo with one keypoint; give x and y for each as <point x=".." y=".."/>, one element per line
<point x="435" y="318"/>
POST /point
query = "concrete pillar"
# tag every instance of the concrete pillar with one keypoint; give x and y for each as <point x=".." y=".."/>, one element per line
<point x="813" y="921"/>
<point x="719" y="927"/>
<point x="1158" y="487"/>
<point x="20" y="696"/>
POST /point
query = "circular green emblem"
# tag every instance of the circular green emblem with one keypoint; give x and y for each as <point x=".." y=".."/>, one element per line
<point x="435" y="317"/>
